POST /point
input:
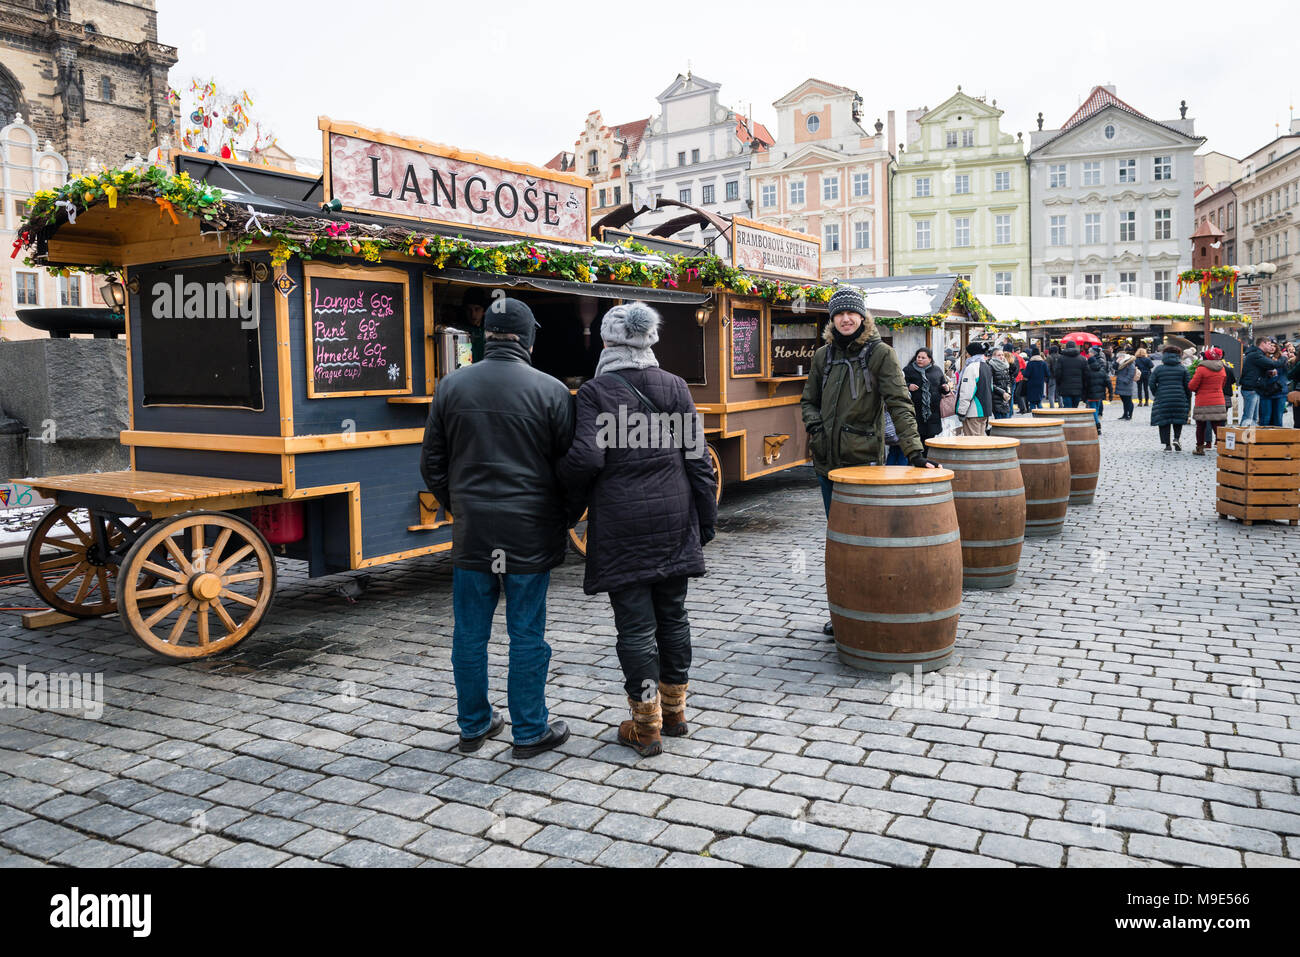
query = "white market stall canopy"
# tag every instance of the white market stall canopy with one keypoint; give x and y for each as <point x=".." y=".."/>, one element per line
<point x="1058" y="314"/>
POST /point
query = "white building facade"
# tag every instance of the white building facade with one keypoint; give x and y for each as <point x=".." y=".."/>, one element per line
<point x="1112" y="202"/>
<point x="828" y="176"/>
<point x="696" y="151"/>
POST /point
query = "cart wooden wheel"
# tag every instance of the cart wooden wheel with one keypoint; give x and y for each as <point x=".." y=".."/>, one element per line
<point x="578" y="535"/>
<point x="71" y="559"/>
<point x="717" y="471"/>
<point x="214" y="575"/>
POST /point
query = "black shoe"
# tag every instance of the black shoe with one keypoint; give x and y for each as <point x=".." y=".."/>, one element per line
<point x="556" y="735"/>
<point x="470" y="745"/>
<point x="828" y="630"/>
<point x="1168" y="449"/>
<point x="1177" y="447"/>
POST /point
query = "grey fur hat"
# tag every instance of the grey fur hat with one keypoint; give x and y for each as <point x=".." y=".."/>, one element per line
<point x="633" y="324"/>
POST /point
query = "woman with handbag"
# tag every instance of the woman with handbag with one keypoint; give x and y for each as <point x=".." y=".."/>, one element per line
<point x="929" y="389"/>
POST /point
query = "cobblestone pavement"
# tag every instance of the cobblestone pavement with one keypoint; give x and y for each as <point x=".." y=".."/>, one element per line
<point x="1148" y="664"/>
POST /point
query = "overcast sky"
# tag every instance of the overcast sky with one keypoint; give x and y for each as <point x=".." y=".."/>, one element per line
<point x="517" y="79"/>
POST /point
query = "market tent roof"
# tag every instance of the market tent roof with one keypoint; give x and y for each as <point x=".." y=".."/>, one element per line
<point x="906" y="295"/>
<point x="1050" y="310"/>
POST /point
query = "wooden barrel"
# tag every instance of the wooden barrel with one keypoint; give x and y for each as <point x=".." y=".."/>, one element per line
<point x="893" y="567"/>
<point x="1045" y="465"/>
<point x="989" y="493"/>
<point x="1084" y="448"/>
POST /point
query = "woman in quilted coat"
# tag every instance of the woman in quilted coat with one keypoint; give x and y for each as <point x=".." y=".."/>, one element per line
<point x="651" y="501"/>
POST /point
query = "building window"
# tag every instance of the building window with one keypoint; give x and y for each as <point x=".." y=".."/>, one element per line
<point x="695" y="156"/>
<point x="796" y="192"/>
<point x="950" y="140"/>
<point x="1092" y="173"/>
<point x="862" y="235"/>
<point x="1002" y="180"/>
<point x="1164" y="168"/>
<point x="1002" y="283"/>
<point x="961" y="183"/>
<point x="861" y="184"/>
<point x="1092" y="285"/>
<point x="681" y="158"/>
<point x="832" y="233"/>
<point x="732" y="189"/>
<point x="1128" y="171"/>
<point x="1164" y="224"/>
<point x="1092" y="228"/>
<point x="106" y="89"/>
<point x="618" y="195"/>
<point x="813" y="123"/>
<point x="1056" y="178"/>
<point x="706" y="194"/>
<point x="601" y="194"/>
<point x="1128" y="226"/>
<point x="923" y="234"/>
<point x="1056" y="231"/>
<point x="1058" y="287"/>
<point x="1002" y="229"/>
<point x="26" y="289"/>
<point x="1164" y="286"/>
<point x="961" y="231"/>
<point x="1128" y="283"/>
<point x="967" y="137"/>
<point x="684" y="195"/>
<point x="923" y="186"/>
<point x="767" y="195"/>
<point x="69" y="290"/>
<point x="1110" y="132"/>
<point x="830" y="188"/>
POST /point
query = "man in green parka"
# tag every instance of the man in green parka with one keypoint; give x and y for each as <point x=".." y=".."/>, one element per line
<point x="854" y="378"/>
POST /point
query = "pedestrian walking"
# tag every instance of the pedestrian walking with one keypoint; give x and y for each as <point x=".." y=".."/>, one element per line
<point x="651" y="504"/>
<point x="1002" y="383"/>
<point x="1143" y="376"/>
<point x="1171" y="397"/>
<point x="495" y="432"/>
<point x="975" y="392"/>
<point x="1098" y="383"/>
<point x="1126" y="372"/>
<point x="928" y="385"/>
<point x="1037" y="375"/>
<point x="1053" y="360"/>
<point x="1018" y="361"/>
<point x="854" y="378"/>
<point x="1211" y="409"/>
<point x="1071" y="376"/>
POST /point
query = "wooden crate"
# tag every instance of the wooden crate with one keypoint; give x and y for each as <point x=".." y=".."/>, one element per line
<point x="1250" y="514"/>
<point x="1243" y="496"/>
<point x="1258" y="480"/>
<point x="1259" y="477"/>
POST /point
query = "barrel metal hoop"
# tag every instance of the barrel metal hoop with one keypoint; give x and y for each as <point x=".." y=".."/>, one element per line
<point x="1079" y="475"/>
<point x="900" y="656"/>
<point x="1046" y="501"/>
<point x="999" y="466"/>
<point x="978" y="455"/>
<point x="1064" y="458"/>
<point x="992" y="542"/>
<point x="991" y="570"/>
<point x="997" y="493"/>
<point x="1089" y="442"/>
<point x="868" y="541"/>
<point x="882" y="618"/>
<point x="892" y="502"/>
<point x="891" y="491"/>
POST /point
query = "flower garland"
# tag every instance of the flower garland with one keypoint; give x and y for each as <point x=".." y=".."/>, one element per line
<point x="311" y="237"/>
<point x="973" y="308"/>
<point x="1204" y="278"/>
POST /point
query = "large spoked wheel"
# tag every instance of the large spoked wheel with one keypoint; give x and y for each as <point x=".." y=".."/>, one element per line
<point x="196" y="585"/>
<point x="717" y="471"/>
<point x="72" y="556"/>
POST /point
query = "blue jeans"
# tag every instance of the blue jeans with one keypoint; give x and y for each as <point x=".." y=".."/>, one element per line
<point x="1270" y="410"/>
<point x="1069" y="401"/>
<point x="1249" y="406"/>
<point x="895" y="456"/>
<point x="474" y="602"/>
<point x="827" y="487"/>
<point x="1096" y="411"/>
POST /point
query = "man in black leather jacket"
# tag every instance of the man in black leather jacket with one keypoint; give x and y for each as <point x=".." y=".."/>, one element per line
<point x="495" y="432"/>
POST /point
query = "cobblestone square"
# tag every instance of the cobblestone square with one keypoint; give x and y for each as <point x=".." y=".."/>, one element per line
<point x="1146" y="666"/>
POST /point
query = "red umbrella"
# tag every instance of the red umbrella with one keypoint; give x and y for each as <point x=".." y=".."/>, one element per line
<point x="1082" y="338"/>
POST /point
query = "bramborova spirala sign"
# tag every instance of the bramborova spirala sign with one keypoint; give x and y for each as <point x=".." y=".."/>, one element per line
<point x="380" y="173"/>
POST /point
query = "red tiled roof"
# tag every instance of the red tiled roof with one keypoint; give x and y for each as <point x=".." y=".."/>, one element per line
<point x="631" y="134"/>
<point x="561" y="161"/>
<point x="759" y="133"/>
<point x="1098" y="100"/>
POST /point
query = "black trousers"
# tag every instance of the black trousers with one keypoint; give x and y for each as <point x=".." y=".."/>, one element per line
<point x="1128" y="405"/>
<point x="1144" y="388"/>
<point x="654" y="636"/>
<point x="1164" y="433"/>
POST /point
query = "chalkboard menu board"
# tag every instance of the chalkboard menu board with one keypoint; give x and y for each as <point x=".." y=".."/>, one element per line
<point x="746" y="343"/>
<point x="793" y="344"/>
<point x="358" y="332"/>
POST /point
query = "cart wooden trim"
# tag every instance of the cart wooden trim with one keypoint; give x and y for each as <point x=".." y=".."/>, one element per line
<point x="275" y="445"/>
<point x="156" y="493"/>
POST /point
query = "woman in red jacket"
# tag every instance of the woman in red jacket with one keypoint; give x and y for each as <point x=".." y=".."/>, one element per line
<point x="1211" y="407"/>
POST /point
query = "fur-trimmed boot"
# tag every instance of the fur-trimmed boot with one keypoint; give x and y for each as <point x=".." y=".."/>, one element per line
<point x="641" y="734"/>
<point x="673" y="698"/>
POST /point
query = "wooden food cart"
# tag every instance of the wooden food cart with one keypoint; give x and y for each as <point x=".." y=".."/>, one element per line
<point x="286" y="334"/>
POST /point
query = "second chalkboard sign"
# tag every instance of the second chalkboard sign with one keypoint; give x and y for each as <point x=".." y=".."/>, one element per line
<point x="746" y="343"/>
<point x="358" y="332"/>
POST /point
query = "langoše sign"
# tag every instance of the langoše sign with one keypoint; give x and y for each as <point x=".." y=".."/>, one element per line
<point x="379" y="173"/>
<point x="775" y="251"/>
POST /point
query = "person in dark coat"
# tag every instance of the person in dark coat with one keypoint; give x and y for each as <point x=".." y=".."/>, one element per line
<point x="1098" y="383"/>
<point x="496" y="429"/>
<point x="1262" y="378"/>
<point x="1172" y="401"/>
<point x="1003" y="383"/>
<point x="1145" y="366"/>
<point x="928" y="385"/>
<point x="1125" y="381"/>
<point x="641" y="468"/>
<point x="1071" y="377"/>
<point x="1037" y="373"/>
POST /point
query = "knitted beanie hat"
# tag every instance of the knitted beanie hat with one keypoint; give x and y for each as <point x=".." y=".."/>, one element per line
<point x="847" y="299"/>
<point x="975" y="348"/>
<point x="633" y="324"/>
